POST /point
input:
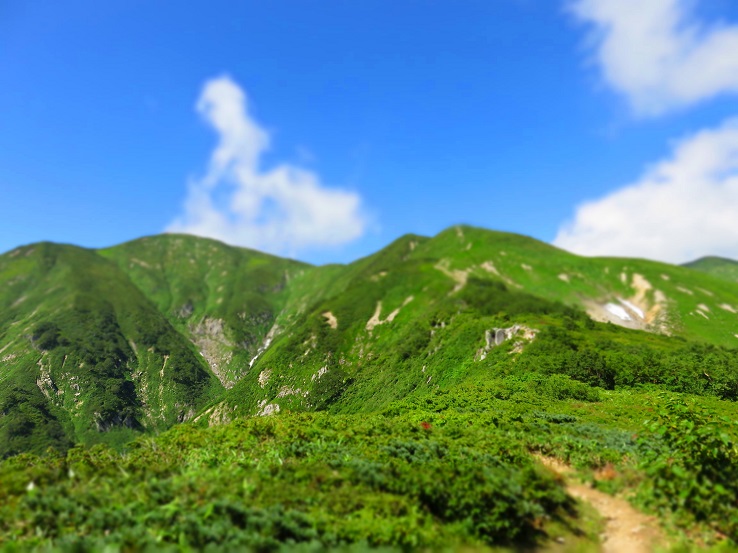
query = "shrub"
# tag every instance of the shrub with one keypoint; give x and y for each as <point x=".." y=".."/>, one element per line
<point x="691" y="461"/>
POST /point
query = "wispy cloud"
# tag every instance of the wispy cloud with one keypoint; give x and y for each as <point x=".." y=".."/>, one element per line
<point x="658" y="54"/>
<point x="285" y="209"/>
<point x="681" y="208"/>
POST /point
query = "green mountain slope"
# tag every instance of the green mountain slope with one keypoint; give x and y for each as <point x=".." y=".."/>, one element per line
<point x="223" y="299"/>
<point x="633" y="293"/>
<point x="418" y="315"/>
<point x="415" y="390"/>
<point x="720" y="267"/>
<point x="101" y="345"/>
<point x="86" y="354"/>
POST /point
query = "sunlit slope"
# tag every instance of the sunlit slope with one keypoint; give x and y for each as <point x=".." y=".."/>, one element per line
<point x="418" y="314"/>
<point x="97" y="345"/>
<point x="720" y="267"/>
<point x="85" y="356"/>
<point x="223" y="299"/>
<point x="635" y="293"/>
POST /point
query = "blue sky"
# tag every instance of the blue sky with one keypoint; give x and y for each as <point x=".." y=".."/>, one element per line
<point x="324" y="130"/>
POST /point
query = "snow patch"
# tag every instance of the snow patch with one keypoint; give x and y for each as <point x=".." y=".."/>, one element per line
<point x="565" y="277"/>
<point x="633" y="308"/>
<point x="639" y="311"/>
<point x="618" y="311"/>
<point x="727" y="307"/>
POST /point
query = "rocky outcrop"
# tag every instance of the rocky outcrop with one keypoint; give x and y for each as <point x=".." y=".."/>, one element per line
<point x="497" y="336"/>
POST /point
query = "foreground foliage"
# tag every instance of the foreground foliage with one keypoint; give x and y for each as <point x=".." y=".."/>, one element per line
<point x="692" y="465"/>
<point x="387" y="479"/>
<point x="436" y="470"/>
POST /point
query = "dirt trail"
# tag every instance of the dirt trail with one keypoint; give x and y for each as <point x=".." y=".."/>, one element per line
<point x="626" y="529"/>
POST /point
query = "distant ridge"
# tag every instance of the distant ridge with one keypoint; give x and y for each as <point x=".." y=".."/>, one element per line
<point x="720" y="267"/>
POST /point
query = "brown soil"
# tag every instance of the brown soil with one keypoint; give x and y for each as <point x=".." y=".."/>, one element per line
<point x="626" y="529"/>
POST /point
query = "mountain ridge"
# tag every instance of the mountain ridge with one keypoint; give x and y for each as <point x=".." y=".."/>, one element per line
<point x="169" y="328"/>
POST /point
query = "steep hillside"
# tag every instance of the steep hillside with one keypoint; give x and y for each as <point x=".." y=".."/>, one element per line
<point x="423" y="313"/>
<point x="225" y="300"/>
<point x="634" y="293"/>
<point x="720" y="267"/>
<point x="85" y="356"/>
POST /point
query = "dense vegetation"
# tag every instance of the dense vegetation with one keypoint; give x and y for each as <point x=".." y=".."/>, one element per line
<point x="410" y="393"/>
<point x="445" y="468"/>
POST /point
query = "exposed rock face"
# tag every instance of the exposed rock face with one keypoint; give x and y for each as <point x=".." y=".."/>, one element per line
<point x="497" y="336"/>
<point x="210" y="338"/>
<point x="266" y="409"/>
<point x="264" y="377"/>
<point x="104" y="424"/>
<point x="376" y="320"/>
<point x="267" y="342"/>
<point x="185" y="311"/>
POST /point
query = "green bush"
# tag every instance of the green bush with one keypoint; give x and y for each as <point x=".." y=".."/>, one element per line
<point x="690" y="460"/>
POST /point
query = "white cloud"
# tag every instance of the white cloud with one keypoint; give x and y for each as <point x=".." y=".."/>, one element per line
<point x="682" y="208"/>
<point x="285" y="209"/>
<point x="658" y="54"/>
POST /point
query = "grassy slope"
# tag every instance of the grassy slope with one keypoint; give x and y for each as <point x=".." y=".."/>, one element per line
<point x="85" y="352"/>
<point x="437" y="333"/>
<point x="600" y="279"/>
<point x="181" y="290"/>
<point x="720" y="267"/>
<point x="222" y="298"/>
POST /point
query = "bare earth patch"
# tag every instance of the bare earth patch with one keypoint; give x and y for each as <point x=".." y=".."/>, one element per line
<point x="458" y="276"/>
<point x="644" y="310"/>
<point x="331" y="319"/>
<point x="626" y="529"/>
<point x="375" y="320"/>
